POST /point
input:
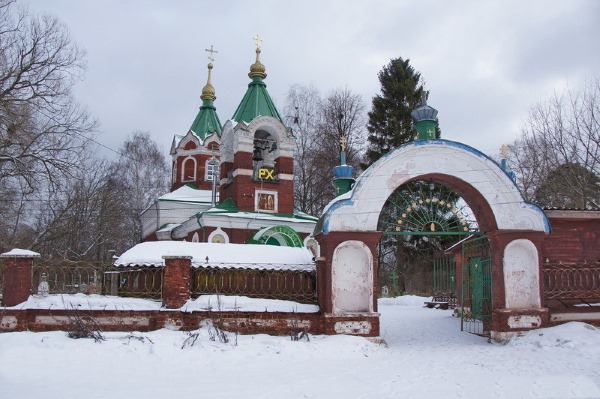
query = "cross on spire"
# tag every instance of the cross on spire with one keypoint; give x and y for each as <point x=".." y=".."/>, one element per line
<point x="503" y="149"/>
<point x="258" y="40"/>
<point x="343" y="142"/>
<point x="211" y="51"/>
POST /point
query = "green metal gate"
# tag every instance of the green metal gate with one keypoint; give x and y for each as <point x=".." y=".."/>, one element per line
<point x="444" y="279"/>
<point x="476" y="298"/>
<point x="426" y="208"/>
<point x="429" y="209"/>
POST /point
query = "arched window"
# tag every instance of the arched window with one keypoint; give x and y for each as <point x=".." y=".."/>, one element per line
<point x="188" y="169"/>
<point x="196" y="238"/>
<point x="190" y="145"/>
<point x="212" y="169"/>
<point x="218" y="237"/>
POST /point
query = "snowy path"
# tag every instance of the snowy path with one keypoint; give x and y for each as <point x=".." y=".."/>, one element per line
<point x="427" y="357"/>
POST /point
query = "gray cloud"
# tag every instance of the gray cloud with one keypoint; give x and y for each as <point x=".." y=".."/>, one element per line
<point x="484" y="62"/>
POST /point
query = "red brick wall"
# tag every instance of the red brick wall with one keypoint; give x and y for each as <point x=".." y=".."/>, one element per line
<point x="242" y="189"/>
<point x="199" y="182"/>
<point x="274" y="323"/>
<point x="572" y="240"/>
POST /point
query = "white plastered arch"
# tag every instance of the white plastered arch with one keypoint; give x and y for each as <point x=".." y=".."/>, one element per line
<point x="359" y="209"/>
<point x="521" y="275"/>
<point x="187" y="159"/>
<point x="352" y="278"/>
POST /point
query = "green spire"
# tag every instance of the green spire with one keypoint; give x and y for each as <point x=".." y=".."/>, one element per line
<point x="207" y="121"/>
<point x="426" y="121"/>
<point x="343" y="180"/>
<point x="256" y="101"/>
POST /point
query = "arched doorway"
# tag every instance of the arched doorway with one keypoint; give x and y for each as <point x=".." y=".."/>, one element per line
<point x="424" y="224"/>
<point x="494" y="199"/>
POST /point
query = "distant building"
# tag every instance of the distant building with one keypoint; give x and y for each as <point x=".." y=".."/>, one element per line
<point x="232" y="183"/>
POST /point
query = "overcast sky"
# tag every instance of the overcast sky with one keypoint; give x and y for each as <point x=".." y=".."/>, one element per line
<point x="484" y="62"/>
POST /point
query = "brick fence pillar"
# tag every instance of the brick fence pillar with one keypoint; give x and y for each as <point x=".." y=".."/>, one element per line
<point x="18" y="270"/>
<point x="176" y="281"/>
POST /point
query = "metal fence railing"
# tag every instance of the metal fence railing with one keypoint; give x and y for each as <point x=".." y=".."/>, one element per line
<point x="68" y="277"/>
<point x="571" y="281"/>
<point x="299" y="286"/>
<point x="72" y="277"/>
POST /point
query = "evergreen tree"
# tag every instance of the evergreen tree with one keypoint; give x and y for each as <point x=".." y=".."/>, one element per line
<point x="390" y="124"/>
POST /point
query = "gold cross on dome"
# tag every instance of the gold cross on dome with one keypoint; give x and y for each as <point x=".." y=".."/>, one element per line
<point x="503" y="149"/>
<point x="343" y="142"/>
<point x="258" y="40"/>
<point x="211" y="51"/>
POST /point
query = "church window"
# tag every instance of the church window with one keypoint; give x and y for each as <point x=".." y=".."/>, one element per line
<point x="188" y="169"/>
<point x="212" y="169"/>
<point x="218" y="237"/>
<point x="196" y="238"/>
<point x="213" y="146"/>
<point x="190" y="145"/>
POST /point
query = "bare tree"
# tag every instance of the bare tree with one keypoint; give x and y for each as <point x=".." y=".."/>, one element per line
<point x="560" y="144"/>
<point x="42" y="129"/>
<point x="302" y="110"/>
<point x="319" y="124"/>
<point x="84" y="219"/>
<point x="144" y="174"/>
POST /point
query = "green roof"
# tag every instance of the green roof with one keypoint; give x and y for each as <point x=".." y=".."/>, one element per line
<point x="207" y="121"/>
<point x="256" y="102"/>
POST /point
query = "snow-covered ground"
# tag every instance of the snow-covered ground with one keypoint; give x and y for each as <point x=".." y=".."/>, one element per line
<point x="426" y="357"/>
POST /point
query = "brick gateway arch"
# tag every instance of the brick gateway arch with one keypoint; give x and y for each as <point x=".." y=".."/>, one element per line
<point x="347" y="234"/>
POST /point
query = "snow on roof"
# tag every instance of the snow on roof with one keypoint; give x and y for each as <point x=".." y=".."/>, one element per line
<point x="20" y="253"/>
<point x="227" y="256"/>
<point x="260" y="216"/>
<point x="168" y="227"/>
<point x="187" y="194"/>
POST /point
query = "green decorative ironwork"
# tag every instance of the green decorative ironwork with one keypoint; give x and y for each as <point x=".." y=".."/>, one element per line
<point x="426" y="208"/>
<point x="476" y="301"/>
<point x="444" y="275"/>
<point x="277" y="235"/>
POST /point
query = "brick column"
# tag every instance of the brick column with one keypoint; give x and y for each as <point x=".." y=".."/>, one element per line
<point x="508" y="319"/>
<point x="327" y="244"/>
<point x="176" y="281"/>
<point x="18" y="270"/>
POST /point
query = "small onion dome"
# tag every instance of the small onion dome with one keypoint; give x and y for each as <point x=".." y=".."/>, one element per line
<point x="208" y="91"/>
<point x="424" y="112"/>
<point x="257" y="69"/>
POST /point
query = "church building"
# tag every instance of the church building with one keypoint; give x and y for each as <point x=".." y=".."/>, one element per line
<point x="232" y="183"/>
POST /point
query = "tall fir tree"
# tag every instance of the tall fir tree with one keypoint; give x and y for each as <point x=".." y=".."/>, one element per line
<point x="390" y="124"/>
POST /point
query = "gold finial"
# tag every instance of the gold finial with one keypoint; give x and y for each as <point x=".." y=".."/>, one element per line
<point x="257" y="69"/>
<point x="503" y="149"/>
<point x="208" y="91"/>
<point x="343" y="142"/>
